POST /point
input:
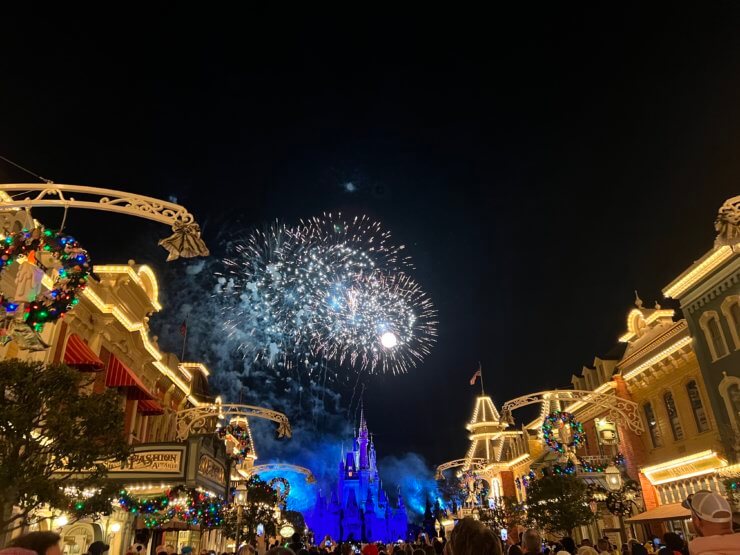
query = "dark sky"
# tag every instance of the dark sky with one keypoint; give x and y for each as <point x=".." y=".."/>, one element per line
<point x="539" y="166"/>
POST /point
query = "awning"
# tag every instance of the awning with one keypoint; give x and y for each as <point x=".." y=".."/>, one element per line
<point x="672" y="511"/>
<point x="120" y="375"/>
<point x="79" y="355"/>
<point x="150" y="408"/>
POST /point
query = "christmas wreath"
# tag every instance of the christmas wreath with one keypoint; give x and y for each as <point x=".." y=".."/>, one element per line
<point x="180" y="503"/>
<point x="241" y="435"/>
<point x="283" y="491"/>
<point x="558" y="420"/>
<point x="43" y="251"/>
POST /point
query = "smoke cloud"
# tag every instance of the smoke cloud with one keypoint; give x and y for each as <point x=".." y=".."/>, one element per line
<point x="317" y="399"/>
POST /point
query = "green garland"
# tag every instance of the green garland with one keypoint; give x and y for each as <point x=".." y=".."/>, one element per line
<point x="71" y="277"/>
<point x="199" y="509"/>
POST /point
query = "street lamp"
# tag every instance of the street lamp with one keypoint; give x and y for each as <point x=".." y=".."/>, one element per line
<point x="613" y="478"/>
<point x="240" y="498"/>
<point x="436" y="527"/>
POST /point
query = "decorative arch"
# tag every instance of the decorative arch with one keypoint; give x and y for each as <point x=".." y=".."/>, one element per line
<point x="636" y="323"/>
<point x="202" y="419"/>
<point x="620" y="409"/>
<point x="185" y="241"/>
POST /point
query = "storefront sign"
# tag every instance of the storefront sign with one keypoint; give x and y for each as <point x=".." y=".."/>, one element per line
<point x="150" y="461"/>
<point x="210" y="468"/>
<point x="687" y="467"/>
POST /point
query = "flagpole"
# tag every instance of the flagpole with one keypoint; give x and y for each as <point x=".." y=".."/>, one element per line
<point x="185" y="337"/>
<point x="480" y="369"/>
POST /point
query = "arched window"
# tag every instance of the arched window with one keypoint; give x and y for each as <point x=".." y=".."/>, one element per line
<point x="652" y="424"/>
<point x="697" y="407"/>
<point x="729" y="389"/>
<point x="731" y="310"/>
<point x="733" y="394"/>
<point x="709" y="323"/>
<point x="670" y="407"/>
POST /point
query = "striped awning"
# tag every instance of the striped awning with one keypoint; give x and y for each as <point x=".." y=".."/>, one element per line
<point x="79" y="355"/>
<point x="150" y="408"/>
<point x="120" y="375"/>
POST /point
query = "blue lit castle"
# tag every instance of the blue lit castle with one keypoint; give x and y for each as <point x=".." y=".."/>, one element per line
<point x="359" y="508"/>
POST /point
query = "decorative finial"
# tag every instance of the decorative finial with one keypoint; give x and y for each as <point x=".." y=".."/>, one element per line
<point x="657" y="306"/>
<point x="638" y="300"/>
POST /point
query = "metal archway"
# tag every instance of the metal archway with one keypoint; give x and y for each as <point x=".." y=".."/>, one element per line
<point x="623" y="410"/>
<point x="277" y="467"/>
<point x="185" y="241"/>
<point x="202" y="419"/>
<point x="475" y="464"/>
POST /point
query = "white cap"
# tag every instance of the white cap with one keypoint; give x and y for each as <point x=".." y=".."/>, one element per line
<point x="709" y="506"/>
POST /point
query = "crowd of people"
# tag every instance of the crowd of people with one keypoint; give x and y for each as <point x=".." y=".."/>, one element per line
<point x="711" y="516"/>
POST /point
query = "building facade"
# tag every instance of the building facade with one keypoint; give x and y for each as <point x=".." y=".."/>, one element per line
<point x="709" y="295"/>
<point x="107" y="336"/>
<point x="358" y="508"/>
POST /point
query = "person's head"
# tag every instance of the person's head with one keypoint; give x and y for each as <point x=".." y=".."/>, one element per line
<point x="710" y="513"/>
<point x="603" y="544"/>
<point x="280" y="551"/>
<point x="637" y="548"/>
<point x="418" y="551"/>
<point x="471" y="537"/>
<point x="98" y="548"/>
<point x="673" y="541"/>
<point x="586" y="542"/>
<point x="569" y="545"/>
<point x="187" y="550"/>
<point x="43" y="543"/>
<point x="531" y="541"/>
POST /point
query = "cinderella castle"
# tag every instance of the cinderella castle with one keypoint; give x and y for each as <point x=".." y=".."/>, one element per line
<point x="358" y="508"/>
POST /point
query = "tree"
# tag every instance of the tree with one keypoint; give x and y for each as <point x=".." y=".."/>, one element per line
<point x="259" y="508"/>
<point x="506" y="513"/>
<point x="55" y="441"/>
<point x="558" y="503"/>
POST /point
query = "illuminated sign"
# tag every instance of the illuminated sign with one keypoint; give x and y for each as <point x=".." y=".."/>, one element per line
<point x="210" y="468"/>
<point x="150" y="461"/>
<point x="694" y="465"/>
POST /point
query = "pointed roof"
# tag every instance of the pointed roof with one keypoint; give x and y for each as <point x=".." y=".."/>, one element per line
<point x="485" y="430"/>
<point x="484" y="411"/>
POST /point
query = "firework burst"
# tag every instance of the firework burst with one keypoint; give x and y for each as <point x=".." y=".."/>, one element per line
<point x="326" y="288"/>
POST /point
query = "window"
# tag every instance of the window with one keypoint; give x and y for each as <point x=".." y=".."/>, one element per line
<point x="733" y="394"/>
<point x="731" y="310"/>
<point x="670" y="407"/>
<point x="652" y="424"/>
<point x="718" y="341"/>
<point x="702" y="422"/>
<point x="709" y="323"/>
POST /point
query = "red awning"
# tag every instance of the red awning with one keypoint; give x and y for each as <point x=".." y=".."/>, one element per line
<point x="150" y="408"/>
<point x="79" y="355"/>
<point x="120" y="375"/>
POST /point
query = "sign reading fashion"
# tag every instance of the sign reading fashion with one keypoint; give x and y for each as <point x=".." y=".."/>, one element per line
<point x="150" y="461"/>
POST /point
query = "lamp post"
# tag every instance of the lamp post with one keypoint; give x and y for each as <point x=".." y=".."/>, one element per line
<point x="436" y="527"/>
<point x="240" y="499"/>
<point x="614" y="484"/>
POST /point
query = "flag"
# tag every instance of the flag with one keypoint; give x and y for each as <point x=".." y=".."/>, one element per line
<point x="184" y="328"/>
<point x="475" y="377"/>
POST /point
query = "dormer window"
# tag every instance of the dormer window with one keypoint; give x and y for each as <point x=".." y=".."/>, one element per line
<point x="715" y="339"/>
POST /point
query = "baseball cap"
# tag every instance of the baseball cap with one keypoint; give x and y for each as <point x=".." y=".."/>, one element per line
<point x="709" y="506"/>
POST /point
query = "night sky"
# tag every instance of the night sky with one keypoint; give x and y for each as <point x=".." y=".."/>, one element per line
<point x="538" y="166"/>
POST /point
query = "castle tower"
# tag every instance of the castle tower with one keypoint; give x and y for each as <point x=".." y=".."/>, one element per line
<point x="363" y="442"/>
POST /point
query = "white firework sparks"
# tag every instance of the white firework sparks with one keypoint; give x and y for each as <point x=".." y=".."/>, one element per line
<point x="327" y="288"/>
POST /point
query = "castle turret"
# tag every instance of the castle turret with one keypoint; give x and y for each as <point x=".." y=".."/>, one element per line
<point x="363" y="442"/>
